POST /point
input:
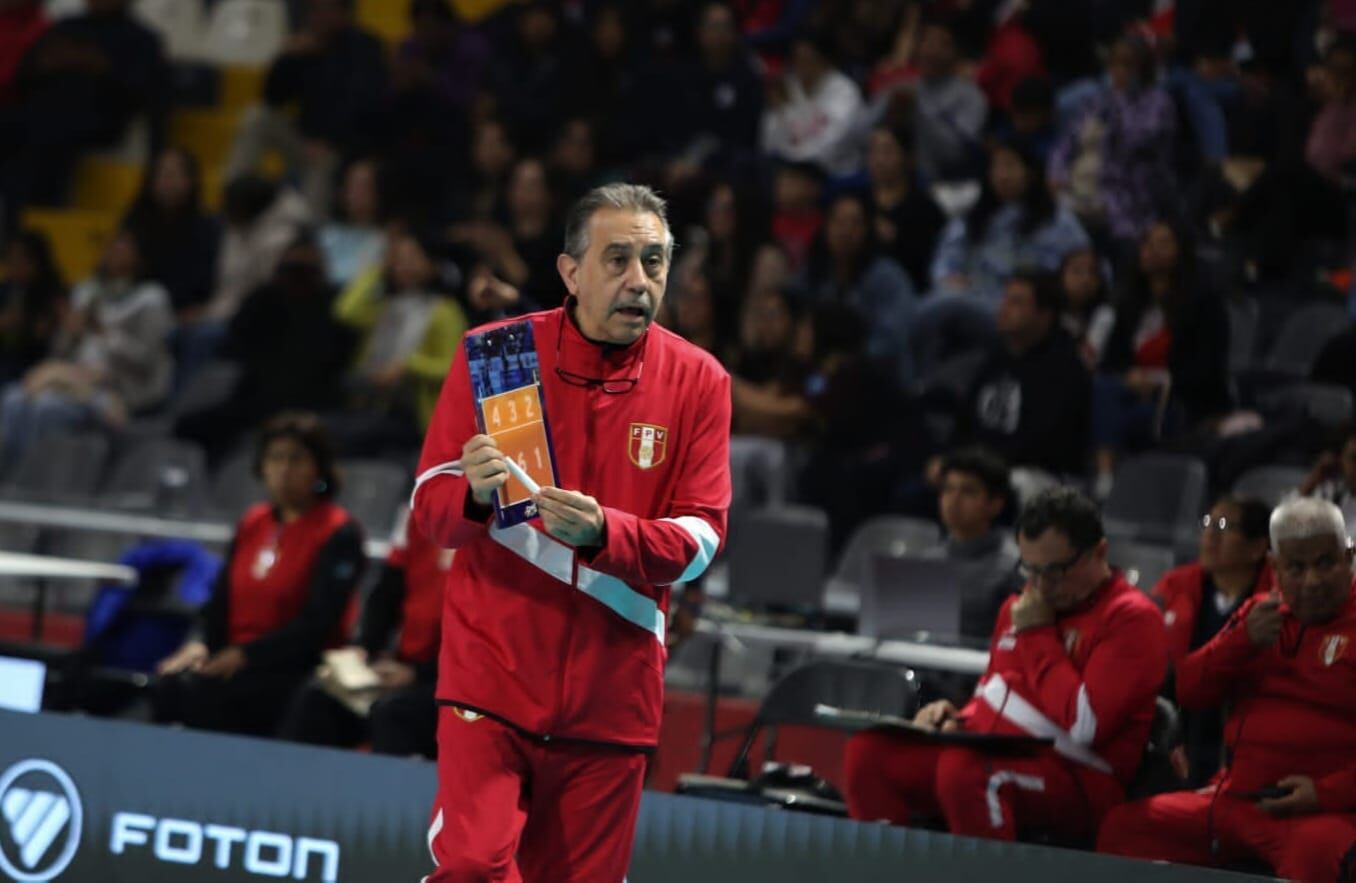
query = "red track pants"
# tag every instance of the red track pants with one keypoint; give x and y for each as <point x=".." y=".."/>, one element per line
<point x="1179" y="827"/>
<point x="513" y="809"/>
<point x="979" y="795"/>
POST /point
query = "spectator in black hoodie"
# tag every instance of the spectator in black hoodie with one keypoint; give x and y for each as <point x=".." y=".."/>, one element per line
<point x="335" y="73"/>
<point x="180" y="242"/>
<point x="1030" y="402"/>
<point x="80" y="86"/>
<point x="1165" y="366"/>
<point x="723" y="92"/>
<point x="277" y="374"/>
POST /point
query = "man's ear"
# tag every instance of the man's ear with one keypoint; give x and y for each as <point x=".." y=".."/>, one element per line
<point x="568" y="268"/>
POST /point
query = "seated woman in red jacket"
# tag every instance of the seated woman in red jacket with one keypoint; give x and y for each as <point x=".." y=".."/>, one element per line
<point x="1198" y="599"/>
<point x="398" y="635"/>
<point x="280" y="598"/>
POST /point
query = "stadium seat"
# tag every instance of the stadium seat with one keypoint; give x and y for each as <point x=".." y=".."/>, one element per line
<point x="1270" y="483"/>
<point x="246" y="32"/>
<point x="373" y="491"/>
<point x="1158" y="499"/>
<point x="207" y="134"/>
<point x="387" y="19"/>
<point x="210" y="385"/>
<point x="842" y="684"/>
<point x="235" y="487"/>
<point x="1325" y="403"/>
<point x="78" y="237"/>
<point x="178" y="22"/>
<point x="161" y="476"/>
<point x="57" y="9"/>
<point x="1156" y="774"/>
<point x="1143" y="565"/>
<point x="885" y="535"/>
<point x="779" y="560"/>
<point x="103" y="184"/>
<point x="759" y="470"/>
<point x="241" y="86"/>
<point x="1302" y="337"/>
<point x="64" y="468"/>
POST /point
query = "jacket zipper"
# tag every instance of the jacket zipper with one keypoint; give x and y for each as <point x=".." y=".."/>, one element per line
<point x="585" y="486"/>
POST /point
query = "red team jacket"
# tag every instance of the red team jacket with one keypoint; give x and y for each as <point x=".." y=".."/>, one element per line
<point x="1179" y="594"/>
<point x="566" y="644"/>
<point x="1088" y="682"/>
<point x="1293" y="704"/>
<point x="425" y="566"/>
<point x="271" y="571"/>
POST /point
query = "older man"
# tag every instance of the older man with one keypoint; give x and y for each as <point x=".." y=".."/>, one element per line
<point x="1286" y="664"/>
<point x="552" y="659"/>
<point x="1076" y="658"/>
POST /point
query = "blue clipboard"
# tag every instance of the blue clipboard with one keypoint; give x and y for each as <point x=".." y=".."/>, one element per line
<point x="510" y="404"/>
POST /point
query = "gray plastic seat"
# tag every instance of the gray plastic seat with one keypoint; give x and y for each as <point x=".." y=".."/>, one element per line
<point x="885" y="535"/>
<point x="235" y="487"/>
<point x="780" y="558"/>
<point x="758" y="470"/>
<point x="1326" y="403"/>
<point x="1302" y="337"/>
<point x="62" y="467"/>
<point x="1143" y="565"/>
<point x="842" y="684"/>
<point x="1270" y="483"/>
<point x="373" y="491"/>
<point x="163" y="476"/>
<point x="1158" y="499"/>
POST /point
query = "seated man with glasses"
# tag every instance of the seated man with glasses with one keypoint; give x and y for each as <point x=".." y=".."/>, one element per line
<point x="1286" y="665"/>
<point x="1076" y="658"/>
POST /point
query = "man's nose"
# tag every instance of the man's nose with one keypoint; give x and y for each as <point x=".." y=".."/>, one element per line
<point x="635" y="279"/>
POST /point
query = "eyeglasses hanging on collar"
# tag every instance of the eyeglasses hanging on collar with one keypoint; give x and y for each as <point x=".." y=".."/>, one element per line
<point x="610" y="386"/>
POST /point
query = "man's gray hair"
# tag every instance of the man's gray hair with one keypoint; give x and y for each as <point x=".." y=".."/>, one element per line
<point x="1304" y="517"/>
<point x="627" y="197"/>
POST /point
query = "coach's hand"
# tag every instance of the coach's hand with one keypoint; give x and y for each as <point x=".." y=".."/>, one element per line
<point x="1031" y="611"/>
<point x="570" y="517"/>
<point x="1264" y="621"/>
<point x="1301" y="801"/>
<point x="939" y="715"/>
<point x="484" y="466"/>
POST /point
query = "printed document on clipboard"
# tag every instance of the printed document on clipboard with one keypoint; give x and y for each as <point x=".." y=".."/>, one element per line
<point x="506" y="382"/>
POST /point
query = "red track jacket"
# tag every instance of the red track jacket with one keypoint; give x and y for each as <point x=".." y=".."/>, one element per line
<point x="566" y="644"/>
<point x="1088" y="682"/>
<point x="1179" y="592"/>
<point x="1293" y="704"/>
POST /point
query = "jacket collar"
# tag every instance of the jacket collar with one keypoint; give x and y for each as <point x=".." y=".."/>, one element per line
<point x="602" y="361"/>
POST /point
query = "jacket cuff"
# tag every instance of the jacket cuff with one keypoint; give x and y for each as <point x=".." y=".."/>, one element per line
<point x="601" y="556"/>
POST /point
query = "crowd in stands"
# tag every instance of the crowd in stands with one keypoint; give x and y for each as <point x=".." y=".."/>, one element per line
<point x="934" y="243"/>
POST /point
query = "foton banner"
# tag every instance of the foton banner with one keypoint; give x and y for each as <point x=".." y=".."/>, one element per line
<point x="94" y="801"/>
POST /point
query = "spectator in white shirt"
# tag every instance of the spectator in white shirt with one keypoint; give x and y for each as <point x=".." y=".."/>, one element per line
<point x="811" y="110"/>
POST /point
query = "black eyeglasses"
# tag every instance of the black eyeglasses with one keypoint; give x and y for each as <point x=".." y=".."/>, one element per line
<point x="612" y="387"/>
<point x="1052" y="573"/>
